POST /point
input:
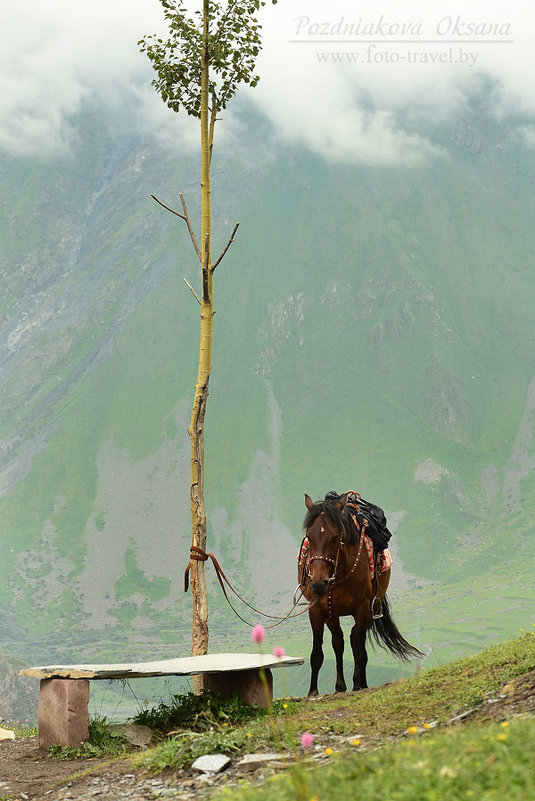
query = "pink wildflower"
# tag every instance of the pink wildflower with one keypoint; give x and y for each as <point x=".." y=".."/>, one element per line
<point x="307" y="739"/>
<point x="278" y="651"/>
<point x="258" y="634"/>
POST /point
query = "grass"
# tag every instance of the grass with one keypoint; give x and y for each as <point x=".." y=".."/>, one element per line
<point x="473" y="762"/>
<point x="183" y="749"/>
<point x="102" y="742"/>
<point x="377" y="716"/>
<point x="198" y="713"/>
<point x="22" y="728"/>
<point x="201" y="724"/>
<point x="386" y="742"/>
<point x="435" y="694"/>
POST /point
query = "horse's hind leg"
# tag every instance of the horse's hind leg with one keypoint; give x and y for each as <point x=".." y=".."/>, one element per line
<point x="338" y="648"/>
<point x="316" y="655"/>
<point x="358" y="646"/>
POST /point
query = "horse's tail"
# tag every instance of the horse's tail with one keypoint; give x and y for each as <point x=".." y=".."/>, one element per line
<point x="387" y="635"/>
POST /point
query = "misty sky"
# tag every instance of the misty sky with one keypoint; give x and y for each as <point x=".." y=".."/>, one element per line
<point x="338" y="78"/>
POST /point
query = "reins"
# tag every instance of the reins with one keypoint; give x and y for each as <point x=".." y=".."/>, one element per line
<point x="198" y="555"/>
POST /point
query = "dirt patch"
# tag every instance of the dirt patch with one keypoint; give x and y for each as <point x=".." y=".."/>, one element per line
<point x="26" y="771"/>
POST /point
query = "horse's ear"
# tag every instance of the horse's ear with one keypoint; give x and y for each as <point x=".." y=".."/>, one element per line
<point x="309" y="503"/>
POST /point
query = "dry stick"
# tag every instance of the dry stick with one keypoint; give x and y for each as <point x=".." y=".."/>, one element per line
<point x="229" y="243"/>
<point x="190" y="229"/>
<point x="190" y="286"/>
<point x="184" y="217"/>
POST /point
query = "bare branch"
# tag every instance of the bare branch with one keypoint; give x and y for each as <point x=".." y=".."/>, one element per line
<point x="168" y="208"/>
<point x="190" y="229"/>
<point x="190" y="286"/>
<point x="229" y="243"/>
<point x="184" y="217"/>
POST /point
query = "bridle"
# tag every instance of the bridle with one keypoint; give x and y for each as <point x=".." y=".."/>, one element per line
<point x="334" y="580"/>
<point x="328" y="559"/>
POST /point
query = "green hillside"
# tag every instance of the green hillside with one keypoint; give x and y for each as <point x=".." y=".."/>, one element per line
<point x="374" y="330"/>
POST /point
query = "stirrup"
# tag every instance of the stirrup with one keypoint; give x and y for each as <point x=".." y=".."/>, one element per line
<point x="377" y="608"/>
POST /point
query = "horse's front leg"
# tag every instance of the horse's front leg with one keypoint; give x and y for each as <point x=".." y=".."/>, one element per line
<point x="338" y="648"/>
<point x="317" y="621"/>
<point x="358" y="646"/>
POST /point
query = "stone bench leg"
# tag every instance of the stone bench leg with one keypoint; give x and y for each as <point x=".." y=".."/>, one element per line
<point x="245" y="683"/>
<point x="63" y="712"/>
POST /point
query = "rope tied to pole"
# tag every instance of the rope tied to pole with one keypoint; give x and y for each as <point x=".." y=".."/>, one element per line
<point x="198" y="555"/>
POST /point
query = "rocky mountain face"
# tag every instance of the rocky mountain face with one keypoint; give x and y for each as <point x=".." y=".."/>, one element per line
<point x="18" y="697"/>
<point x="374" y="331"/>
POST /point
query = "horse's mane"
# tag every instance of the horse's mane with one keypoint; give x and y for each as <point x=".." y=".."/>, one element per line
<point x="338" y="517"/>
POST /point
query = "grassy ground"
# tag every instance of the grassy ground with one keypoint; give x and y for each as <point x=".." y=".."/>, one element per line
<point x="388" y="739"/>
<point x="472" y="762"/>
<point x="458" y="731"/>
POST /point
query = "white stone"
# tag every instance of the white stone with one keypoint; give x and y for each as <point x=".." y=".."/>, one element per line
<point x="7" y="734"/>
<point x="253" y="761"/>
<point x="211" y="763"/>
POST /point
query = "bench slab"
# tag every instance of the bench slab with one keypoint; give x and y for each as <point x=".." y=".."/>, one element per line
<point x="185" y="666"/>
<point x="64" y="689"/>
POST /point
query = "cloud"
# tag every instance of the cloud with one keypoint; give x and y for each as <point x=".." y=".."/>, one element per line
<point x="337" y="78"/>
<point x="54" y="56"/>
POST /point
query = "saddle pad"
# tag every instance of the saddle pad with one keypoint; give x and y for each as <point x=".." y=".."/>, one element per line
<point x="384" y="564"/>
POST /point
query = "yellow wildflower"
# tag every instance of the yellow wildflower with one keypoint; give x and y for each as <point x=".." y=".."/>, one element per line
<point x="329" y="752"/>
<point x="413" y="730"/>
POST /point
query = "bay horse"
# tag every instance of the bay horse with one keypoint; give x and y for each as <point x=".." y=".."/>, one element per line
<point x="337" y="582"/>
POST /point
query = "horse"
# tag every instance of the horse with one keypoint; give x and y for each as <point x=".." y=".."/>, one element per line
<point x="336" y="582"/>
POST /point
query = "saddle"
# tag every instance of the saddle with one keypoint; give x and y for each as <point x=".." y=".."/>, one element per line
<point x="374" y="516"/>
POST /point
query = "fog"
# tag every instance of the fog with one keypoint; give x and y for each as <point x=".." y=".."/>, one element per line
<point x="337" y="80"/>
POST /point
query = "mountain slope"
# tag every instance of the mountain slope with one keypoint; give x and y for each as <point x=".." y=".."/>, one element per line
<point x="373" y="331"/>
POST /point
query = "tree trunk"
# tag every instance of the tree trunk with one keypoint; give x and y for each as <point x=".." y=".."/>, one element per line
<point x="199" y="639"/>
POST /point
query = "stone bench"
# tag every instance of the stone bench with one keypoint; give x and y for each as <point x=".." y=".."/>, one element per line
<point x="64" y="689"/>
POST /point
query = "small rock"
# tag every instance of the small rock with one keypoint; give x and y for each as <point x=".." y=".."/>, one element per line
<point x="132" y="733"/>
<point x="254" y="761"/>
<point x="7" y="734"/>
<point x="211" y="763"/>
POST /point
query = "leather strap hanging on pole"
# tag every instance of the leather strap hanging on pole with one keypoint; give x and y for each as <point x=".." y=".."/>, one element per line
<point x="198" y="555"/>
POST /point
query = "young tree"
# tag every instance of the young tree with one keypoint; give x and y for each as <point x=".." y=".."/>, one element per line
<point x="199" y="68"/>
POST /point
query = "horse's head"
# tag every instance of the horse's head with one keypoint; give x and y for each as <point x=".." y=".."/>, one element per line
<point x="324" y="527"/>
